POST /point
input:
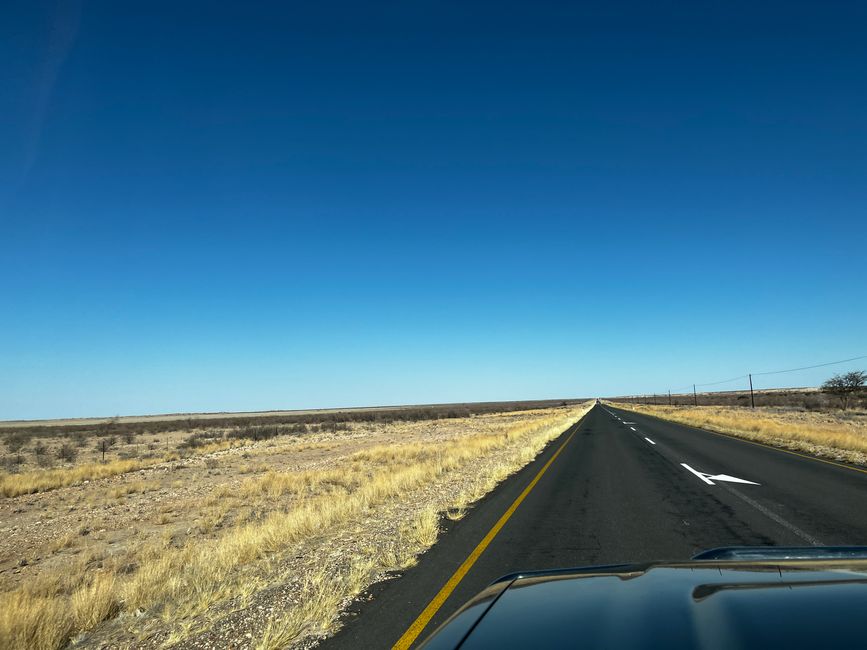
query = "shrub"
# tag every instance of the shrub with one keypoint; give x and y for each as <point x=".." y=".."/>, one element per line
<point x="16" y="441"/>
<point x="67" y="453"/>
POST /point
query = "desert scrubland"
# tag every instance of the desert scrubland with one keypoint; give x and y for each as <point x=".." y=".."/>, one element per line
<point x="213" y="534"/>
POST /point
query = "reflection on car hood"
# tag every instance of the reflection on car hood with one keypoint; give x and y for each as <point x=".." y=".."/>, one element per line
<point x="695" y="604"/>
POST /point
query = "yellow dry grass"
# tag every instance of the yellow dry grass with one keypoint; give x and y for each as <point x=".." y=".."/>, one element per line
<point x="32" y="621"/>
<point x="13" y="485"/>
<point x="823" y="434"/>
<point x="180" y="583"/>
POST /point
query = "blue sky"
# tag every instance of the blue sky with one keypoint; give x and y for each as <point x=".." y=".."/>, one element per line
<point x="208" y="207"/>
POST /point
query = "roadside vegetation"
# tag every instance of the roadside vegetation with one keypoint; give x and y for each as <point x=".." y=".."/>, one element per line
<point x="839" y="392"/>
<point x="837" y="435"/>
<point x="55" y="454"/>
<point x="39" y="480"/>
<point x="263" y="538"/>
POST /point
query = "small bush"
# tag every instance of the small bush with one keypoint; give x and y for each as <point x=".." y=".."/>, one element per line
<point x="67" y="453"/>
<point x="199" y="439"/>
<point x="16" y="441"/>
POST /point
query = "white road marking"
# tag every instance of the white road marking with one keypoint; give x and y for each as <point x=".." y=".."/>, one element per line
<point x="634" y="429"/>
<point x="731" y="479"/>
<point x="699" y="474"/>
<point x="772" y="515"/>
<point x="649" y="440"/>
<point x="625" y="422"/>
<point x="710" y="478"/>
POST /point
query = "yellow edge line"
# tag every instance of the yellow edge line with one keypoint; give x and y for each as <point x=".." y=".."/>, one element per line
<point x="424" y="618"/>
<point x="753" y="442"/>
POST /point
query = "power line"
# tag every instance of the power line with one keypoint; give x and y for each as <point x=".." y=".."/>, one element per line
<point x="771" y="372"/>
<point x="820" y="365"/>
<point x="724" y="381"/>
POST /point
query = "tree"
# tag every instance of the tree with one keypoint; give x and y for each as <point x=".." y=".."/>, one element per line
<point x="846" y="385"/>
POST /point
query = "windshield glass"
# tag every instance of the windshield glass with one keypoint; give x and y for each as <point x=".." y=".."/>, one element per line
<point x="320" y="318"/>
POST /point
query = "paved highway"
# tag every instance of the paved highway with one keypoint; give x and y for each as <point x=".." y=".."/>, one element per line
<point x="617" y="487"/>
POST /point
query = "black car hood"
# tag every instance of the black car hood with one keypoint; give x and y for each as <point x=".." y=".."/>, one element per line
<point x="697" y="604"/>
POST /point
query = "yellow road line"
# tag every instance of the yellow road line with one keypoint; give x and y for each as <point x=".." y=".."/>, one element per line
<point x="753" y="442"/>
<point x="433" y="606"/>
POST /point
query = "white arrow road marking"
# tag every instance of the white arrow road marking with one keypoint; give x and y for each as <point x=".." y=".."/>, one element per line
<point x="731" y="479"/>
<point x="710" y="478"/>
<point x="649" y="440"/>
<point x="699" y="474"/>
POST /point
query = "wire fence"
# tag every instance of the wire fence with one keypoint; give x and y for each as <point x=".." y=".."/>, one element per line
<point x="675" y="396"/>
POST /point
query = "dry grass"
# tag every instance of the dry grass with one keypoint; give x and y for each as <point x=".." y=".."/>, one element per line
<point x="243" y="527"/>
<point x="94" y="602"/>
<point x="12" y="485"/>
<point x="320" y="596"/>
<point x="31" y="621"/>
<point x="841" y="437"/>
<point x="417" y="534"/>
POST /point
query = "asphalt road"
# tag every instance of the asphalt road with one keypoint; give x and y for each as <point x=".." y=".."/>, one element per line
<point x="625" y="488"/>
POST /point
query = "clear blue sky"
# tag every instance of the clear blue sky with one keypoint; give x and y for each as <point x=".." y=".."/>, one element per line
<point x="240" y="207"/>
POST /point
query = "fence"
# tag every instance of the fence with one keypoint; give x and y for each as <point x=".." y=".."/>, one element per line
<point x="805" y="397"/>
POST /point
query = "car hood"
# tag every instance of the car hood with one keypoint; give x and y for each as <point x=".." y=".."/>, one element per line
<point x="697" y="604"/>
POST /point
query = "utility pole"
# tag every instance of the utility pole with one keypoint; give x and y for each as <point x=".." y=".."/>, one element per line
<point x="694" y="396"/>
<point x="752" y="398"/>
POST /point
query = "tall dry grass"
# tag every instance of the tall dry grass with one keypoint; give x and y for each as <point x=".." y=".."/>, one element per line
<point x="816" y="433"/>
<point x="181" y="583"/>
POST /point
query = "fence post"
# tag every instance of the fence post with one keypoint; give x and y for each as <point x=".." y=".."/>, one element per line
<point x="694" y="396"/>
<point x="752" y="399"/>
<point x="669" y="397"/>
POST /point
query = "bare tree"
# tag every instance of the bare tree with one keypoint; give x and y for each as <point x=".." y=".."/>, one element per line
<point x="845" y="385"/>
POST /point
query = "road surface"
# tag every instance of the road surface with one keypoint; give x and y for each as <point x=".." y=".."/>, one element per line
<point x="617" y="487"/>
